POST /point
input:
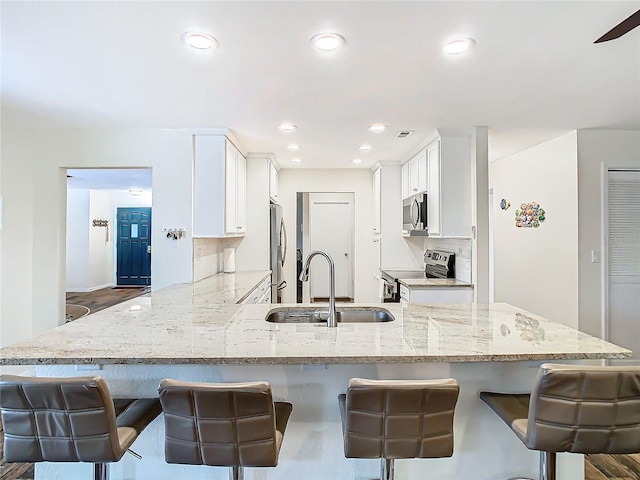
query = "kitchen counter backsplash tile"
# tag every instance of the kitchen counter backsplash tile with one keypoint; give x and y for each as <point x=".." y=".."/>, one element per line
<point x="193" y="324"/>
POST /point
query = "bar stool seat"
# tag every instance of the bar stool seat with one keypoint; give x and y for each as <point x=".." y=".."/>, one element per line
<point x="231" y="425"/>
<point x="51" y="419"/>
<point x="574" y="408"/>
<point x="393" y="419"/>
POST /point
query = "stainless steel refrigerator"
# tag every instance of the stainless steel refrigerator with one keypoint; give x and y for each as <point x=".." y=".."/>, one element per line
<point x="277" y="253"/>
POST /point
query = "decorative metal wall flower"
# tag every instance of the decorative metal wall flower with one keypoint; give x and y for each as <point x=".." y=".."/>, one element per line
<point x="529" y="215"/>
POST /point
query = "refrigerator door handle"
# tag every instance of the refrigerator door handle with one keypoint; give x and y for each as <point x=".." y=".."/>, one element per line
<point x="283" y="229"/>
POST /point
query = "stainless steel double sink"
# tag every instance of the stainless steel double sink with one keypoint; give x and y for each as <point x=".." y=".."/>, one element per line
<point x="315" y="315"/>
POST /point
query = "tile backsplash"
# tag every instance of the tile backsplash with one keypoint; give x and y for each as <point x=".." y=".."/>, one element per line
<point x="208" y="257"/>
<point x="461" y="247"/>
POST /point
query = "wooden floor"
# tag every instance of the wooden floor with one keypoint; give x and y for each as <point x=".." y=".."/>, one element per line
<point x="105" y="297"/>
<point x="612" y="467"/>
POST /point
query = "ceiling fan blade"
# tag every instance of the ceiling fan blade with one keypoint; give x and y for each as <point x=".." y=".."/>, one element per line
<point x="624" y="27"/>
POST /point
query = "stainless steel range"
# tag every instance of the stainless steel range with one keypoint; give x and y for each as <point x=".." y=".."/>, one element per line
<point x="438" y="264"/>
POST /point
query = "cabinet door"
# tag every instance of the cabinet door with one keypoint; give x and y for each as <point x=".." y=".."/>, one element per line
<point x="230" y="183"/>
<point x="422" y="172"/>
<point x="376" y="201"/>
<point x="433" y="197"/>
<point x="405" y="181"/>
<point x="241" y="193"/>
<point x="273" y="182"/>
<point x="413" y="176"/>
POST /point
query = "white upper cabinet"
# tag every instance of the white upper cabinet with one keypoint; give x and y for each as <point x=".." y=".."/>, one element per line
<point x="273" y="182"/>
<point x="405" y="181"/>
<point x="418" y="173"/>
<point x="433" y="197"/>
<point x="376" y="201"/>
<point x="415" y="172"/>
<point x="449" y="199"/>
<point x="220" y="196"/>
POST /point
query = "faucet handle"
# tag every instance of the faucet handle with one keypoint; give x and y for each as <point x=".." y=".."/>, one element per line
<point x="321" y="314"/>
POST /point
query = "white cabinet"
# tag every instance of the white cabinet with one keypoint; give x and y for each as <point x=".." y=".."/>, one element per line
<point x="405" y="181"/>
<point x="273" y="182"/>
<point x="433" y="196"/>
<point x="414" y="175"/>
<point x="436" y="295"/>
<point x="261" y="293"/>
<point x="376" y="201"/>
<point x="219" y="185"/>
<point x="449" y="196"/>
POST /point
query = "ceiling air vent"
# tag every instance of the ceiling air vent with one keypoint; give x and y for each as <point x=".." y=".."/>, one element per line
<point x="404" y="133"/>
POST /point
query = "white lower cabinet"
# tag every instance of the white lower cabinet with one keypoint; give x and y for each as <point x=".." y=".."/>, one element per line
<point x="260" y="294"/>
<point x="433" y="295"/>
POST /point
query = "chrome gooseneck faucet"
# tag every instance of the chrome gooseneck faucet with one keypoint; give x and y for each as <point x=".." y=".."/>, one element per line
<point x="332" y="321"/>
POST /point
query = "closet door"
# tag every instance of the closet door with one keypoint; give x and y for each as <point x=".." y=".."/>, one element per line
<point x="623" y="261"/>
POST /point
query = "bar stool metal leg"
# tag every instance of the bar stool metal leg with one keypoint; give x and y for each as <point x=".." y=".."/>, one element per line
<point x="236" y="473"/>
<point x="547" y="465"/>
<point x="100" y="471"/>
<point x="387" y="469"/>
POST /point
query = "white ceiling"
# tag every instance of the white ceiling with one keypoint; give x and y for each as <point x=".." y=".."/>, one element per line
<point x="534" y="74"/>
<point x="110" y="178"/>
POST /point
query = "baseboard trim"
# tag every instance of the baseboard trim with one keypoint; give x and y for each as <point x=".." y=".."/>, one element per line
<point x="90" y="289"/>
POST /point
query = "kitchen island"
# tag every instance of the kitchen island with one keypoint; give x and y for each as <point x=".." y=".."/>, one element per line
<point x="186" y="332"/>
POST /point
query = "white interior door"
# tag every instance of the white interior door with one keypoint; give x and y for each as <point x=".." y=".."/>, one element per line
<point x="331" y="226"/>
<point x="623" y="261"/>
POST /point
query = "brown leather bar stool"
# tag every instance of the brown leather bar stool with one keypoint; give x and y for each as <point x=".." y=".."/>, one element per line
<point x="574" y="408"/>
<point x="73" y="419"/>
<point x="391" y="419"/>
<point x="232" y="425"/>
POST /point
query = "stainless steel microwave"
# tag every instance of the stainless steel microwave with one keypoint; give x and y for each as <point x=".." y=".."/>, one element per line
<point x="414" y="214"/>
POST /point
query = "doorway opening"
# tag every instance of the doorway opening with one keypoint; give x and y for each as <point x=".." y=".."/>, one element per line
<point x="107" y="261"/>
<point x="325" y="222"/>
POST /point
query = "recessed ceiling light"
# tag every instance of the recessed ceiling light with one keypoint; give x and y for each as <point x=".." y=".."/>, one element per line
<point x="327" y="42"/>
<point x="293" y="147"/>
<point x="364" y="148"/>
<point x="287" y="127"/>
<point x="458" y="46"/>
<point x="199" y="40"/>
<point x="356" y="160"/>
<point x="296" y="160"/>
<point x="377" y="128"/>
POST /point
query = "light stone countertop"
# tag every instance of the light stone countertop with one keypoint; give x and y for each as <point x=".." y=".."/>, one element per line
<point x="188" y="324"/>
<point x="423" y="283"/>
<point x="219" y="288"/>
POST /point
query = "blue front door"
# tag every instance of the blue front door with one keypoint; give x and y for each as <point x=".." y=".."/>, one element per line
<point x="134" y="246"/>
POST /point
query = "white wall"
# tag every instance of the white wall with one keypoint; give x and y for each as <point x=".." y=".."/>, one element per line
<point x="597" y="151"/>
<point x="345" y="180"/>
<point x="100" y="249"/>
<point x="537" y="268"/>
<point x="77" y="249"/>
<point x="34" y="189"/>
